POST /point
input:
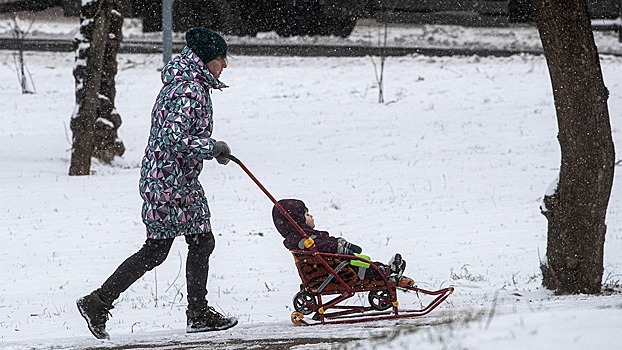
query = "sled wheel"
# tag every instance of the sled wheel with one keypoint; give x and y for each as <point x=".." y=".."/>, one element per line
<point x="297" y="318"/>
<point x="304" y="302"/>
<point x="379" y="299"/>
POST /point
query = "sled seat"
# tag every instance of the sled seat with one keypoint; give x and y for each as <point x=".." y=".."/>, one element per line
<point x="314" y="274"/>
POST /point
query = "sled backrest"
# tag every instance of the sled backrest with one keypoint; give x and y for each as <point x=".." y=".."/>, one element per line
<point x="313" y="273"/>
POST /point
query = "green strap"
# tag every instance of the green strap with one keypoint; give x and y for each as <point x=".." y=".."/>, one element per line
<point x="361" y="263"/>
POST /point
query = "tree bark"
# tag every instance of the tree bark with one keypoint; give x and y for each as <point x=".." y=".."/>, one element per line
<point x="93" y="122"/>
<point x="577" y="208"/>
<point x="107" y="144"/>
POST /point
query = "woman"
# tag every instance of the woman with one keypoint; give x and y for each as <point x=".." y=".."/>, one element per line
<point x="174" y="203"/>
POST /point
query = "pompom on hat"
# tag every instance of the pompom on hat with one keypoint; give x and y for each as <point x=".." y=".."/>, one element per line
<point x="205" y="43"/>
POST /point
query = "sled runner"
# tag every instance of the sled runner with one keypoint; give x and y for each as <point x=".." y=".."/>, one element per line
<point x="330" y="280"/>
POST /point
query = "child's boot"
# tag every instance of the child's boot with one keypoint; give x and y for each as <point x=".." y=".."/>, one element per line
<point x="398" y="265"/>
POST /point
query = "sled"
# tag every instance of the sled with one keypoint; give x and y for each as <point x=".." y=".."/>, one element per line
<point x="330" y="280"/>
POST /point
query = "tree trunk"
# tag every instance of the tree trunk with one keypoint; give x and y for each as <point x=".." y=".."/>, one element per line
<point x="577" y="208"/>
<point x="98" y="18"/>
<point x="107" y="145"/>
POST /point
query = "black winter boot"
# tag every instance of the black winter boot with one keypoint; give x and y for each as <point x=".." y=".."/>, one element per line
<point x="398" y="265"/>
<point x="208" y="319"/>
<point x="95" y="312"/>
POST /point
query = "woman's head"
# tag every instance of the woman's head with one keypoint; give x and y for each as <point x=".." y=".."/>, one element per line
<point x="210" y="47"/>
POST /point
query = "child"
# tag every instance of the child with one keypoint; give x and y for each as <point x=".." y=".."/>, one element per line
<point x="294" y="240"/>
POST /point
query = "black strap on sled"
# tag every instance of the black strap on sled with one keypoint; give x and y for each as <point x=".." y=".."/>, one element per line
<point x="331" y="276"/>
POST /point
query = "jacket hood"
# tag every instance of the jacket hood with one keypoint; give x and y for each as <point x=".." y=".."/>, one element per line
<point x="296" y="209"/>
<point x="187" y="66"/>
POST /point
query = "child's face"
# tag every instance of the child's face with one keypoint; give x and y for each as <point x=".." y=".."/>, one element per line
<point x="309" y="220"/>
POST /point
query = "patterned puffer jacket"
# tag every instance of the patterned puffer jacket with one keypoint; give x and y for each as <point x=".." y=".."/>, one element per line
<point x="179" y="140"/>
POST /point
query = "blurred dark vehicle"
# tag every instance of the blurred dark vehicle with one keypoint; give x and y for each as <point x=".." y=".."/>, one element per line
<point x="318" y="17"/>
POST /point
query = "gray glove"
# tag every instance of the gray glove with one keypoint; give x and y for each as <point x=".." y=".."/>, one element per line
<point x="345" y="247"/>
<point x="221" y="152"/>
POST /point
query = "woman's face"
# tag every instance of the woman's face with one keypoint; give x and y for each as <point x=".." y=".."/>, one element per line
<point x="217" y="65"/>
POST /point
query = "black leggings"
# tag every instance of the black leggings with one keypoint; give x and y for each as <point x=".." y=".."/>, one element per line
<point x="152" y="254"/>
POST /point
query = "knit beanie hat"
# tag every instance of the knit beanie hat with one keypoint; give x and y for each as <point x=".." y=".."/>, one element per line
<point x="205" y="43"/>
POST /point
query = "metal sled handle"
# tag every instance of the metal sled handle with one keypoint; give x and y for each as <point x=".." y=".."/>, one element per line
<point x="309" y="241"/>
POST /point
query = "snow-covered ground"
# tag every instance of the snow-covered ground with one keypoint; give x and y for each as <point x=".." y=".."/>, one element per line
<point x="450" y="172"/>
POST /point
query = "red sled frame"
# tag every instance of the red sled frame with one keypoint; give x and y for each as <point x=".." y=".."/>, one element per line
<point x="309" y="299"/>
<point x="382" y="295"/>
